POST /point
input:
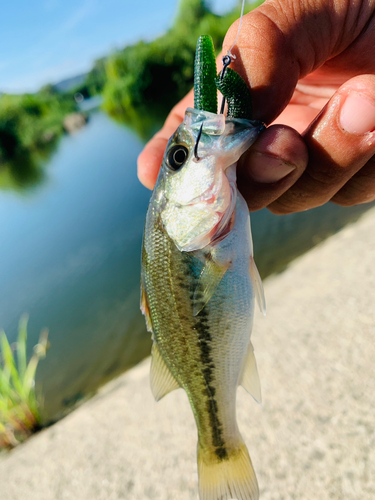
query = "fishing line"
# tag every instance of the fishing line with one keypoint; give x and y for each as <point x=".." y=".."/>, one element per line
<point x="227" y="59"/>
<point x="229" y="53"/>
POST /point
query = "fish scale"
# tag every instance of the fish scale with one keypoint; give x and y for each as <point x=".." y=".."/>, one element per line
<point x="188" y="343"/>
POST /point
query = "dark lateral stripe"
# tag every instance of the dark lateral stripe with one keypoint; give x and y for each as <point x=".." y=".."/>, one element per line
<point x="204" y="342"/>
<point x="192" y="272"/>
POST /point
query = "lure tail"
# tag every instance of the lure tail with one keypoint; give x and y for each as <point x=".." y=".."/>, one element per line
<point x="225" y="479"/>
<point x="228" y="82"/>
<point x="205" y="95"/>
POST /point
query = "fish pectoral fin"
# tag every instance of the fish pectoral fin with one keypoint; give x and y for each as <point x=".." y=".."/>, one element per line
<point x="211" y="275"/>
<point x="162" y="380"/>
<point x="250" y="377"/>
<point x="145" y="309"/>
<point x="258" y="286"/>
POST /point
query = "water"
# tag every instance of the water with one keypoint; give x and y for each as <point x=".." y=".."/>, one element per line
<point x="70" y="258"/>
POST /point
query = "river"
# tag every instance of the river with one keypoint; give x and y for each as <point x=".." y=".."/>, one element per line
<point x="70" y="258"/>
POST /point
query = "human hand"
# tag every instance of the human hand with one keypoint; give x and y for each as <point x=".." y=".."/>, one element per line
<point x="311" y="69"/>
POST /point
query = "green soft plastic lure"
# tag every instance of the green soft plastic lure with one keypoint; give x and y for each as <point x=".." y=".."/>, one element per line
<point x="199" y="280"/>
<point x="228" y="82"/>
<point x="205" y="95"/>
<point x="237" y="94"/>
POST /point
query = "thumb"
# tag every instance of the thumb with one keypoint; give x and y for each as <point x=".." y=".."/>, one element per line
<point x="279" y="43"/>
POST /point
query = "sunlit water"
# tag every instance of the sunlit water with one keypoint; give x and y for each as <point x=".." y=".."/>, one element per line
<point x="70" y="258"/>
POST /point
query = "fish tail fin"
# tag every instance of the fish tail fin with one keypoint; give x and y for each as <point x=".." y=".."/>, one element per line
<point x="226" y="478"/>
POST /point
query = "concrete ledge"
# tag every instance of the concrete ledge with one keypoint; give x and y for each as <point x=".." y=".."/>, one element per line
<point x="312" y="439"/>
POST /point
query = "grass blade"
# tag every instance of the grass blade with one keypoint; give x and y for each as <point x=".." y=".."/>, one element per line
<point x="39" y="352"/>
<point x="9" y="362"/>
<point x="21" y="346"/>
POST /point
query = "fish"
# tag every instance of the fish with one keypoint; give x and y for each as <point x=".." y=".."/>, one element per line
<point x="199" y="284"/>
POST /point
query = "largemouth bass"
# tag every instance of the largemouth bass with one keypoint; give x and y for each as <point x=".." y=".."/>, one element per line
<point x="199" y="283"/>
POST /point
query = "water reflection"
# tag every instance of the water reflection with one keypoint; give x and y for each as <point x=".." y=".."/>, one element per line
<point x="24" y="169"/>
<point x="144" y="120"/>
<point x="30" y="125"/>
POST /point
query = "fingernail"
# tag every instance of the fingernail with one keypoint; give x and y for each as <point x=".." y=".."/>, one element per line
<point x="267" y="169"/>
<point x="358" y="114"/>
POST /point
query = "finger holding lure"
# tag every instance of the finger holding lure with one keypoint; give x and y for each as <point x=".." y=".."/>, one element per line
<point x="199" y="280"/>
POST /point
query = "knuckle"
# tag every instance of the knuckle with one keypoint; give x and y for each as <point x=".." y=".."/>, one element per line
<point x="355" y="192"/>
<point x="275" y="209"/>
<point x="296" y="201"/>
<point x="350" y="202"/>
<point x="324" y="178"/>
<point x="285" y="207"/>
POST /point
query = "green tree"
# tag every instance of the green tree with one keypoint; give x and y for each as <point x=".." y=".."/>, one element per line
<point x="30" y="125"/>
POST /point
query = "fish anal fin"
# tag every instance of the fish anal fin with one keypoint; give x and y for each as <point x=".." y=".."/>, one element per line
<point x="145" y="309"/>
<point x="211" y="275"/>
<point x="250" y="377"/>
<point x="258" y="286"/>
<point x="162" y="380"/>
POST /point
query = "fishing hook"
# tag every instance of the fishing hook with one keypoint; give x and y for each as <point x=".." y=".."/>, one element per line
<point x="226" y="62"/>
<point x="197" y="142"/>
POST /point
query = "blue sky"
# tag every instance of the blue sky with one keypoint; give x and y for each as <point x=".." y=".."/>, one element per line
<point x="45" y="41"/>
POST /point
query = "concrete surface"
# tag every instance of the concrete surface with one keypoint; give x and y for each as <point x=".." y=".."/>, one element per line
<point x="313" y="437"/>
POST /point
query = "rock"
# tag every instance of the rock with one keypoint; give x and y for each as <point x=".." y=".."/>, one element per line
<point x="74" y="121"/>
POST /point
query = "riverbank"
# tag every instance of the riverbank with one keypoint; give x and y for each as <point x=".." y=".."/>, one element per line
<point x="313" y="437"/>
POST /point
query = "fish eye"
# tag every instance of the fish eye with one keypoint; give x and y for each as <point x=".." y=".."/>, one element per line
<point x="177" y="156"/>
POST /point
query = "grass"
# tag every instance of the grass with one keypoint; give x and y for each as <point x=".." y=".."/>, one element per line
<point x="19" y="409"/>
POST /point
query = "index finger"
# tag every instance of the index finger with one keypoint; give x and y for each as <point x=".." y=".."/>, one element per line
<point x="150" y="159"/>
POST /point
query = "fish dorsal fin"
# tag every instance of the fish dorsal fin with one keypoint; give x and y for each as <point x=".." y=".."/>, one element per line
<point x="162" y="380"/>
<point x="145" y="309"/>
<point x="258" y="286"/>
<point x="211" y="275"/>
<point x="250" y="377"/>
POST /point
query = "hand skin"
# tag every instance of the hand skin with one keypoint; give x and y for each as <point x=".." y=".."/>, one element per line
<point x="311" y="67"/>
